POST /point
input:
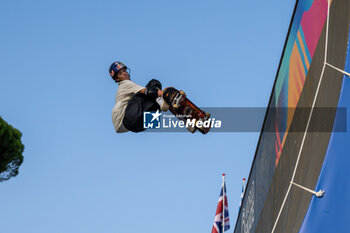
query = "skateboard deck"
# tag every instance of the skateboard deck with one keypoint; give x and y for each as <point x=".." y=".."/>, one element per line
<point x="185" y="110"/>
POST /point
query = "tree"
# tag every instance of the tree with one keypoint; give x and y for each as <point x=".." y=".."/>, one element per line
<point x="11" y="149"/>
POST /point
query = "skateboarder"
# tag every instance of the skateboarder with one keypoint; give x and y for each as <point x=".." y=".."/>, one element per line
<point x="132" y="99"/>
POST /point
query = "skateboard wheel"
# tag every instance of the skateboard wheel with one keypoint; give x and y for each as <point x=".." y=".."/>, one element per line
<point x="207" y="114"/>
<point x="175" y="106"/>
<point x="182" y="93"/>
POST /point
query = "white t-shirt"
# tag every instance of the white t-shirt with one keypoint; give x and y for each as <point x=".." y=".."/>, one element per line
<point x="126" y="90"/>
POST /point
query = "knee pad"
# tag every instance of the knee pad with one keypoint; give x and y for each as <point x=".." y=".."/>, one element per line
<point x="152" y="92"/>
<point x="154" y="83"/>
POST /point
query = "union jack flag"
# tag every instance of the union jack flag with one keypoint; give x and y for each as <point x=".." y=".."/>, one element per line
<point x="220" y="214"/>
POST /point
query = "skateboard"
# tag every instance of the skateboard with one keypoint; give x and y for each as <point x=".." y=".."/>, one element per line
<point x="185" y="110"/>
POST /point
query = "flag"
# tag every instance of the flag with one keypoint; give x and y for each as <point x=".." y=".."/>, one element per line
<point x="220" y="214"/>
<point x="242" y="195"/>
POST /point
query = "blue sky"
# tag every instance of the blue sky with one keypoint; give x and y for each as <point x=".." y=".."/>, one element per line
<point x="78" y="175"/>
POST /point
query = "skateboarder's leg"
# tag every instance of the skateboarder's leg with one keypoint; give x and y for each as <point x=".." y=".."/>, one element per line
<point x="154" y="83"/>
<point x="163" y="105"/>
<point x="133" y="118"/>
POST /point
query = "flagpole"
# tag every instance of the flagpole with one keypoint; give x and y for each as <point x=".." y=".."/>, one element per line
<point x="223" y="202"/>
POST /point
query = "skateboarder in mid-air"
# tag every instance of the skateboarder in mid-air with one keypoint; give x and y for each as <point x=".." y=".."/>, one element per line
<point x="132" y="99"/>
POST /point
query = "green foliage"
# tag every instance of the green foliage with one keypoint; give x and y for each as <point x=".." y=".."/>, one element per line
<point x="11" y="149"/>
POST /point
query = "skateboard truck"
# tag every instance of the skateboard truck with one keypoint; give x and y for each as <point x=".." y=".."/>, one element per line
<point x="178" y="98"/>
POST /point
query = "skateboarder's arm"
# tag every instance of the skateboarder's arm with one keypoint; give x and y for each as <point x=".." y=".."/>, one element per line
<point x="143" y="91"/>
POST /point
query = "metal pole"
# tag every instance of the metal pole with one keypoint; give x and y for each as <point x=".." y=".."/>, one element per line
<point x="223" y="202"/>
<point x="317" y="194"/>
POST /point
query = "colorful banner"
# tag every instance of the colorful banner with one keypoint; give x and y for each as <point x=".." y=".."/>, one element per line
<point x="305" y="32"/>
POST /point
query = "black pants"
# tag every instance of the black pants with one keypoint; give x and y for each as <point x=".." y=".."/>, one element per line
<point x="139" y="103"/>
